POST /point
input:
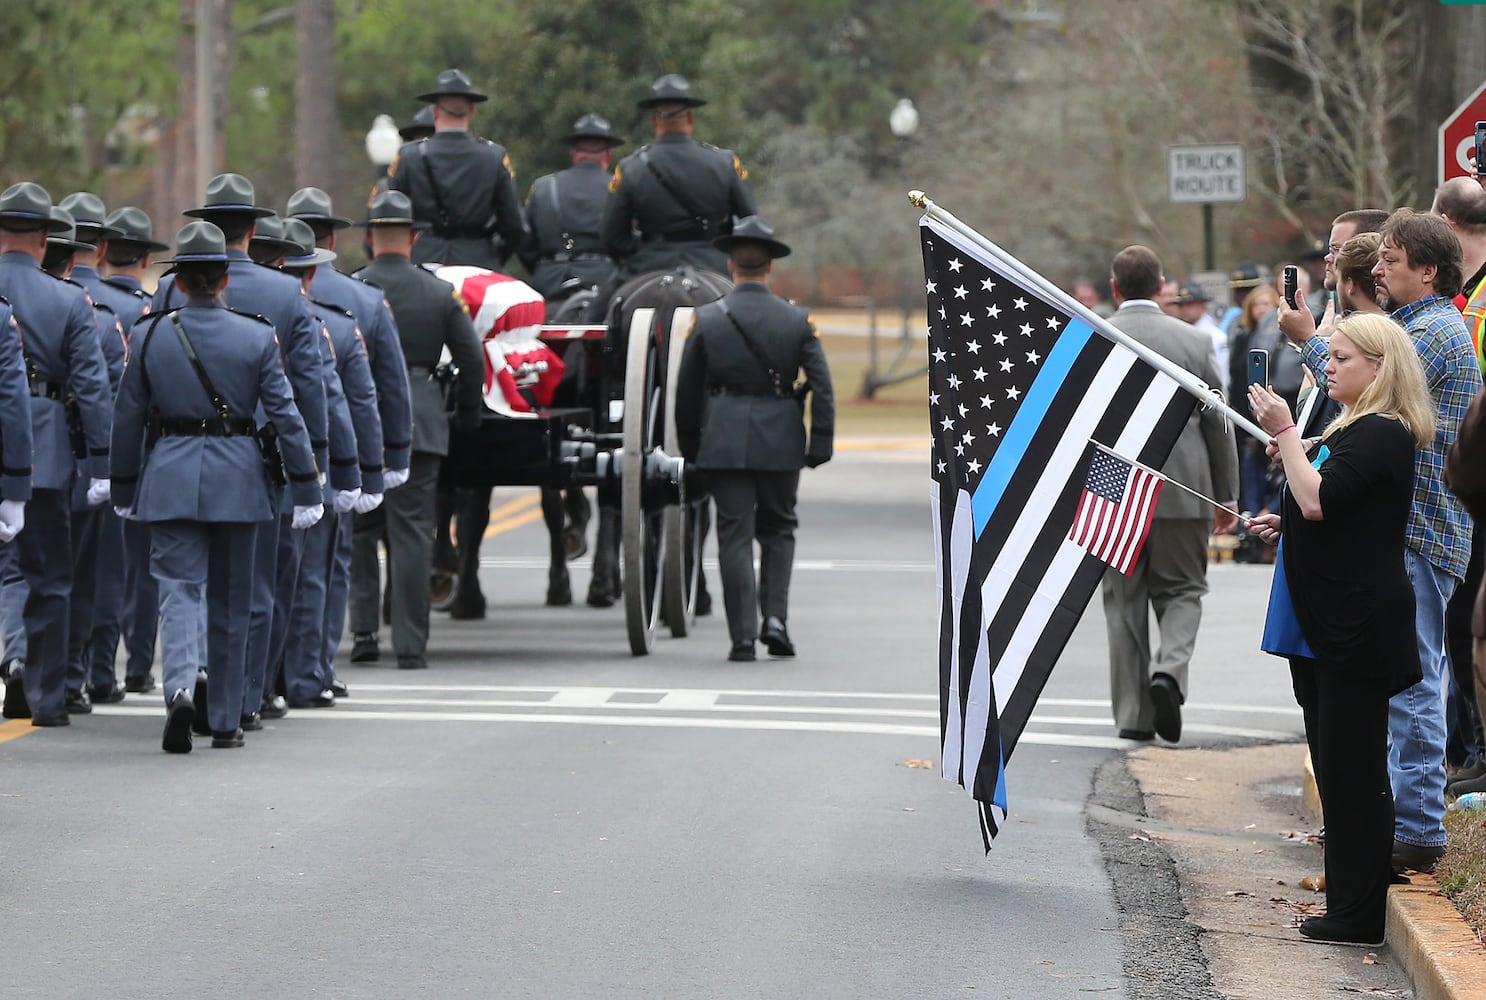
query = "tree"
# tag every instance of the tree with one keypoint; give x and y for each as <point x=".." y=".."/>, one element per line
<point x="316" y="125"/>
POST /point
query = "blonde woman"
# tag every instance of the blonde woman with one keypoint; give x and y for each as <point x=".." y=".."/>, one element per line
<point x="1342" y="518"/>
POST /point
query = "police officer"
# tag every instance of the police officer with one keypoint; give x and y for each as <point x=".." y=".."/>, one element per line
<point x="63" y="359"/>
<point x="230" y="206"/>
<point x="463" y="187"/>
<point x="186" y="460"/>
<point x="124" y="262"/>
<point x="740" y="418"/>
<point x="421" y="127"/>
<point x="15" y="487"/>
<point x="670" y="199"/>
<point x="563" y="250"/>
<point x="389" y="370"/>
<point x="430" y="316"/>
<point x="308" y="670"/>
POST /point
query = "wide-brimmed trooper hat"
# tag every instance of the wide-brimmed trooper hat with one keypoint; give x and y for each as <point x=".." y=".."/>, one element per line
<point x="420" y="127"/>
<point x="199" y="242"/>
<point x="391" y="208"/>
<point x="299" y="235"/>
<point x="229" y="194"/>
<point x="673" y="88"/>
<point x="89" y="217"/>
<point x="453" y="83"/>
<point x="67" y="235"/>
<point x="592" y="126"/>
<point x="313" y="205"/>
<point x="133" y="225"/>
<point x="268" y="238"/>
<point x="755" y="230"/>
<point x="28" y="204"/>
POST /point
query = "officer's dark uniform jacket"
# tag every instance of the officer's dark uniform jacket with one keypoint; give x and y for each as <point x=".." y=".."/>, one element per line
<point x="430" y="314"/>
<point x="383" y="352"/>
<point x="678" y="194"/>
<point x="278" y="298"/>
<point x="464" y="188"/>
<point x="728" y="414"/>
<point x="15" y="415"/>
<point x="355" y="377"/>
<point x="59" y="335"/>
<point x="197" y="470"/>
<point x="563" y="214"/>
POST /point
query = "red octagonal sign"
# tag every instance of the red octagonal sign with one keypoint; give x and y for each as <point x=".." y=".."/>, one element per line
<point x="1458" y="136"/>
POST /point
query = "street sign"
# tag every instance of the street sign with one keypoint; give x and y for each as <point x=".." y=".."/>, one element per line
<point x="1205" y="174"/>
<point x="1458" y="136"/>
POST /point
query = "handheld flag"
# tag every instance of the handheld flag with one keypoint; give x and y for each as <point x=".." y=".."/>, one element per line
<point x="1115" y="509"/>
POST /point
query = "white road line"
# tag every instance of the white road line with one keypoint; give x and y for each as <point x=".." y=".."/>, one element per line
<point x="806" y="565"/>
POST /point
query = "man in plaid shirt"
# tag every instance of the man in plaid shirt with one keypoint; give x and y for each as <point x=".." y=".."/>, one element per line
<point x="1418" y="273"/>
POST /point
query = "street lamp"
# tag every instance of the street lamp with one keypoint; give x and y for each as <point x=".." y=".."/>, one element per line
<point x="383" y="142"/>
<point x="903" y="119"/>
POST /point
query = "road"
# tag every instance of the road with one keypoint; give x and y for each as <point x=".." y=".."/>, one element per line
<point x="542" y="815"/>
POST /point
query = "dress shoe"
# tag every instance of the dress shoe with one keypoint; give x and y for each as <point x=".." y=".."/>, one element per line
<point x="364" y="649"/>
<point x="51" y="720"/>
<point x="110" y="695"/>
<point x="411" y="663"/>
<point x="251" y="723"/>
<point x="199" y="725"/>
<point x="180" y="719"/>
<point x="776" y="638"/>
<point x="226" y="741"/>
<point x="78" y="703"/>
<point x="140" y="685"/>
<point x="742" y="652"/>
<point x="1476" y="770"/>
<point x="274" y="708"/>
<point x="1414" y="857"/>
<point x="1334" y="931"/>
<point x="1139" y="735"/>
<point x="1167" y="698"/>
<point x="339" y="689"/>
<point x="16" y="706"/>
<point x="325" y="699"/>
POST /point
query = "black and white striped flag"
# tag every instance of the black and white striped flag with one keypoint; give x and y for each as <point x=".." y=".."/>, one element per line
<point x="1020" y="382"/>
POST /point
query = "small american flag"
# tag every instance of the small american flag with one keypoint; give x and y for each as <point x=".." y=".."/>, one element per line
<point x="1115" y="510"/>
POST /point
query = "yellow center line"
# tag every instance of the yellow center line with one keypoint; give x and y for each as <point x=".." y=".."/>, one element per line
<point x="518" y="504"/>
<point x="12" y="728"/>
<point x="512" y="523"/>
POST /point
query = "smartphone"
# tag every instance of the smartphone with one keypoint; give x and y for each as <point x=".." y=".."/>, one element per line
<point x="1258" y="367"/>
<point x="1292" y="284"/>
<point x="1480" y="148"/>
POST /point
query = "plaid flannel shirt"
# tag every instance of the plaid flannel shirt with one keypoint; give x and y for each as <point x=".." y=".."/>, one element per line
<point x="1439" y="528"/>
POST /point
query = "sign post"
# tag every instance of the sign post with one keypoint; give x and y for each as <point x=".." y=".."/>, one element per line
<point x="1204" y="174"/>
<point x="1458" y="136"/>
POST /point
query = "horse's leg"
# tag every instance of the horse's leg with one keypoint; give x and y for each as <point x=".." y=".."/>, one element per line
<point x="575" y="537"/>
<point x="704" y="525"/>
<point x="472" y="509"/>
<point x="605" y="587"/>
<point x="559" y="587"/>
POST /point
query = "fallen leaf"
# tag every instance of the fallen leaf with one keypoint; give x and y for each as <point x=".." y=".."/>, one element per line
<point x="915" y="762"/>
<point x="1237" y="892"/>
<point x="1140" y="836"/>
<point x="908" y="809"/>
<point x="1046" y="962"/>
<point x="1369" y="959"/>
<point x="1315" y="883"/>
<point x="1251" y="826"/>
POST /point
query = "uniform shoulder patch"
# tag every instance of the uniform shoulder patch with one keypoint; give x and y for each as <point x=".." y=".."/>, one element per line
<point x="617" y="179"/>
<point x="103" y="307"/>
<point x="254" y="316"/>
<point x="333" y="308"/>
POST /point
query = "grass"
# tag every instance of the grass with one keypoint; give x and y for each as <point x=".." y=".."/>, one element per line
<point x="900" y="410"/>
<point x="1462" y="871"/>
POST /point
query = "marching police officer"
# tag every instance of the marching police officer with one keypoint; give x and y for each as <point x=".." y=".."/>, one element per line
<point x="421" y="127"/>
<point x="15" y="482"/>
<point x="124" y="263"/>
<point x="670" y="199"/>
<point x="563" y="250"/>
<point x="463" y="187"/>
<point x="63" y="359"/>
<point x="430" y="316"/>
<point x="740" y="418"/>
<point x="186" y="460"/>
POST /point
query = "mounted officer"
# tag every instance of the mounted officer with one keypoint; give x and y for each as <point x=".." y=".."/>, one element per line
<point x="564" y="210"/>
<point x="670" y="199"/>
<point x="463" y="187"/>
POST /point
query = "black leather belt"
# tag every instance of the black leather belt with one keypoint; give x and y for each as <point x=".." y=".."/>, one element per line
<point x="206" y="427"/>
<point x="48" y="389"/>
<point x="564" y="256"/>
<point x="697" y="235"/>
<point x="727" y="390"/>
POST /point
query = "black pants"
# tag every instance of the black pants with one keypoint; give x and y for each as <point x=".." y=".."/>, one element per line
<point x="1346" y="725"/>
<point x="754" y="505"/>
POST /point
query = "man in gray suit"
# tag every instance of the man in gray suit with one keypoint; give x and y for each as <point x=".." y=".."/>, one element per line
<point x="1171" y="574"/>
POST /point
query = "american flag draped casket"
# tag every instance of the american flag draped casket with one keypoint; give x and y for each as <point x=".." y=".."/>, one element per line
<point x="521" y="372"/>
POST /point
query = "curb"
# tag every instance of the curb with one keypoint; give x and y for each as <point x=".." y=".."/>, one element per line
<point x="1435" y="944"/>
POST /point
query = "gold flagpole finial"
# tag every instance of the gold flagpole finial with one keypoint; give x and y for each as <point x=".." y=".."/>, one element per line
<point x="918" y="199"/>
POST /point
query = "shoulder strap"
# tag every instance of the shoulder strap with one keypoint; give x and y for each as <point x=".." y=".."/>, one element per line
<point x="670" y="188"/>
<point x="223" y="410"/>
<point x="433" y="186"/>
<point x="752" y="345"/>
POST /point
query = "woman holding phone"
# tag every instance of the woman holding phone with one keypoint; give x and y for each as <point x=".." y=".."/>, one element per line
<point x="1342" y="516"/>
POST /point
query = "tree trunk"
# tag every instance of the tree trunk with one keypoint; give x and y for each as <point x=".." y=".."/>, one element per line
<point x="316" y="128"/>
<point x="179" y="180"/>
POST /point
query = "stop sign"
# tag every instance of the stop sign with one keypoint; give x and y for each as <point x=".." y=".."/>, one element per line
<point x="1458" y="136"/>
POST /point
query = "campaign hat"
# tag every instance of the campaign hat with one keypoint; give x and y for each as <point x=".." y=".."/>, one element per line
<point x="299" y="236"/>
<point x="752" y="229"/>
<point x="592" y="126"/>
<point x="453" y="83"/>
<point x="199" y="241"/>
<point x="268" y="236"/>
<point x="88" y="216"/>
<point x="1316" y="251"/>
<point x="229" y="194"/>
<point x="391" y="208"/>
<point x="673" y="88"/>
<point x="133" y="226"/>
<point x="1187" y="294"/>
<point x="313" y="205"/>
<point x="67" y="235"/>
<point x="28" y="202"/>
<point x="420" y="127"/>
<point x="1245" y="275"/>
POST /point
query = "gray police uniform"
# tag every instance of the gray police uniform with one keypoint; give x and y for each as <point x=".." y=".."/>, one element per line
<point x="465" y="189"/>
<point x="749" y="436"/>
<point x="678" y="194"/>
<point x="429" y="315"/>
<point x="563" y="214"/>
<point x="60" y="338"/>
<point x="15" y="465"/>
<point x="203" y="486"/>
<point x="313" y="633"/>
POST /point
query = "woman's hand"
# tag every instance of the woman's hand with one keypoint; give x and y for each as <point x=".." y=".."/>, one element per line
<point x="1266" y="526"/>
<point x="1271" y="412"/>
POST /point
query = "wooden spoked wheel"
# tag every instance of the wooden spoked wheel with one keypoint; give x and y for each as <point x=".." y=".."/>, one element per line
<point x="682" y="566"/>
<point x="643" y="532"/>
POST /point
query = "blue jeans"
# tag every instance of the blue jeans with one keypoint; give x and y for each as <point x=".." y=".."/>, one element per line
<point x="1416" y="716"/>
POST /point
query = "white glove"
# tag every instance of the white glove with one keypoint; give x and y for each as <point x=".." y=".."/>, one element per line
<point x="393" y="478"/>
<point x="306" y="517"/>
<point x="321" y="480"/>
<point x="97" y="491"/>
<point x="12" y="518"/>
<point x="345" y="500"/>
<point x="127" y="513"/>
<point x="368" y="502"/>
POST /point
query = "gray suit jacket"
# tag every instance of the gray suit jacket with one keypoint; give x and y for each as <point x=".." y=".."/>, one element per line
<point x="1205" y="457"/>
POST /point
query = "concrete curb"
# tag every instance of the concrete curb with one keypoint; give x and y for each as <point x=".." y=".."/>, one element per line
<point x="1435" y="944"/>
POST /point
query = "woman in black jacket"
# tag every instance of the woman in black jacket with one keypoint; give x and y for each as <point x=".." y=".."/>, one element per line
<point x="1342" y="517"/>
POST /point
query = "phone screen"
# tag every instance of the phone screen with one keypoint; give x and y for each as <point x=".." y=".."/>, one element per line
<point x="1258" y="367"/>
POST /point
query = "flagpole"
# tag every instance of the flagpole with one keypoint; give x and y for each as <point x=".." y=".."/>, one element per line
<point x="1206" y="394"/>
<point x="1174" y="482"/>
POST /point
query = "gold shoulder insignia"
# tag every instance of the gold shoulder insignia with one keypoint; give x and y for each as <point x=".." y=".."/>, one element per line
<point x="506" y="162"/>
<point x="392" y="167"/>
<point x="616" y="180"/>
<point x="460" y="299"/>
<point x="739" y="169"/>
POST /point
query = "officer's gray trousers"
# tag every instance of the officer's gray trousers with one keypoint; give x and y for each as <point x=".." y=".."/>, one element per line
<point x="141" y="601"/>
<point x="410" y="518"/>
<point x="97" y="598"/>
<point x="45" y="550"/>
<point x="754" y="505"/>
<point x="338" y="590"/>
<point x="368" y="531"/>
<point x="12" y="602"/>
<point x="205" y="565"/>
<point x="261" y="609"/>
<point x="305" y="670"/>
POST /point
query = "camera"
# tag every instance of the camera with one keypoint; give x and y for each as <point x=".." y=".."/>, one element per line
<point x="1292" y="283"/>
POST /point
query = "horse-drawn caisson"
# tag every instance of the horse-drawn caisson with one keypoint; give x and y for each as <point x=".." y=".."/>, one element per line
<point x="572" y="404"/>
